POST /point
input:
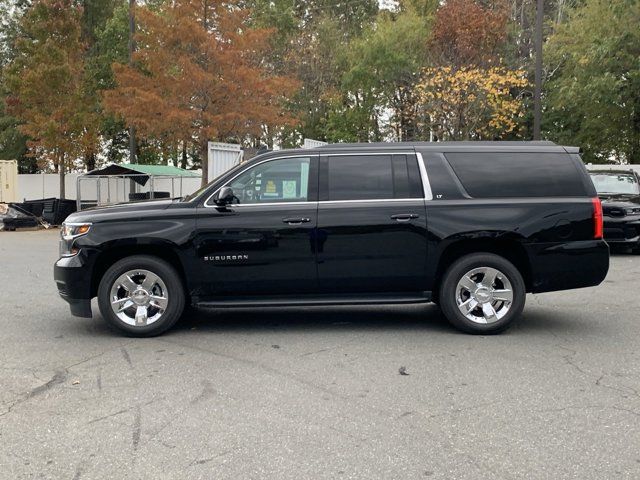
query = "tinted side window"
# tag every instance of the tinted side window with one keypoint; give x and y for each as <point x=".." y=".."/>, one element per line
<point x="415" y="180"/>
<point x="517" y="174"/>
<point x="360" y="177"/>
<point x="400" y="176"/>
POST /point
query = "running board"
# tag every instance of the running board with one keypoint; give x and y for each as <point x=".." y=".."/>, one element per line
<point x="316" y="300"/>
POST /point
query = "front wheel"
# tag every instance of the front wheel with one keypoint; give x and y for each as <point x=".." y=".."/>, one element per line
<point x="141" y="296"/>
<point x="482" y="293"/>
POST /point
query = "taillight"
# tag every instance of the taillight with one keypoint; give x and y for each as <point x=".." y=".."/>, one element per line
<point x="597" y="218"/>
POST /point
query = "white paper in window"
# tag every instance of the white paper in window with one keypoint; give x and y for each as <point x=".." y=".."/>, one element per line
<point x="289" y="188"/>
<point x="304" y="179"/>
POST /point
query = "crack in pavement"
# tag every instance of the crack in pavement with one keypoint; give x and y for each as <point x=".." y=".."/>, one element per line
<point x="137" y="427"/>
<point x="126" y="356"/>
<point x="624" y="390"/>
<point x="262" y="366"/>
<point x="478" y="462"/>
<point x="210" y="459"/>
<point x="59" y="377"/>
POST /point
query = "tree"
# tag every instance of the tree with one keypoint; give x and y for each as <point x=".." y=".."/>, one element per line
<point x="309" y="43"/>
<point x="318" y="60"/>
<point x="197" y="73"/>
<point x="378" y="98"/>
<point x="96" y="14"/>
<point x="46" y="80"/>
<point x="13" y="144"/>
<point x="11" y="12"/>
<point x="593" y="93"/>
<point x="467" y="33"/>
<point x="471" y="103"/>
<point x="110" y="45"/>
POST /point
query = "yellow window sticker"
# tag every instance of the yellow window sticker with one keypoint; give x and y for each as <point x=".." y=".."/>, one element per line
<point x="271" y="187"/>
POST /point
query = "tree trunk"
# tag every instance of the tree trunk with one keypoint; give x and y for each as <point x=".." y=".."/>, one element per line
<point x="90" y="161"/>
<point x="183" y="160"/>
<point x="204" y="160"/>
<point x="61" y="172"/>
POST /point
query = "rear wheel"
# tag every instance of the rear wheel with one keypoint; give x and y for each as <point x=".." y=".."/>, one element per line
<point x="482" y="293"/>
<point x="141" y="296"/>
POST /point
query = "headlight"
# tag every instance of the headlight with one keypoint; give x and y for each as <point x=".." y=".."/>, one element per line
<point x="632" y="211"/>
<point x="70" y="231"/>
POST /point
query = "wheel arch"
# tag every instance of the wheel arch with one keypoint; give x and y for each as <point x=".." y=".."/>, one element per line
<point x="160" y="249"/>
<point x="508" y="248"/>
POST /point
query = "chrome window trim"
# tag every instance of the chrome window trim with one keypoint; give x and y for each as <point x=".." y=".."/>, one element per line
<point x="247" y="205"/>
<point x="426" y="186"/>
<point x="326" y="202"/>
<point x="376" y="200"/>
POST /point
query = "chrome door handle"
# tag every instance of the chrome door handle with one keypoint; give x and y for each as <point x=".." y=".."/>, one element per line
<point x="404" y="217"/>
<point x="295" y="221"/>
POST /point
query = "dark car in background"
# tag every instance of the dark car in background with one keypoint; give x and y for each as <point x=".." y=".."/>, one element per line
<point x="470" y="226"/>
<point x="619" y="191"/>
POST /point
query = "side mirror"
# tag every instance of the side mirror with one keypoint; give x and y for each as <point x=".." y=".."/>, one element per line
<point x="225" y="196"/>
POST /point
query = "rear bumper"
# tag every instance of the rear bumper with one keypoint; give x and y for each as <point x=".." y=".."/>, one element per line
<point x="563" y="266"/>
<point x="73" y="280"/>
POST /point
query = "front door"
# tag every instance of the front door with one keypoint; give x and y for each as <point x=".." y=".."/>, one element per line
<point x="372" y="226"/>
<point x="264" y="242"/>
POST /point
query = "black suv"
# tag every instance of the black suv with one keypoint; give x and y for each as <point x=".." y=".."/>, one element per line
<point x="619" y="191"/>
<point x="469" y="226"/>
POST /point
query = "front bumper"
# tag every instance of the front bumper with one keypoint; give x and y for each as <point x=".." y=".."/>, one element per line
<point x="622" y="231"/>
<point x="73" y="280"/>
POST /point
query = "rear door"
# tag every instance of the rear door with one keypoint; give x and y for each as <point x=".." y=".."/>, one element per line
<point x="372" y="226"/>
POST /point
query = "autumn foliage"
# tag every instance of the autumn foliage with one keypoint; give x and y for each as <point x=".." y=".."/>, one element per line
<point x="197" y="76"/>
<point x="472" y="102"/>
<point x="47" y="81"/>
<point x="272" y="72"/>
<point x="468" y="33"/>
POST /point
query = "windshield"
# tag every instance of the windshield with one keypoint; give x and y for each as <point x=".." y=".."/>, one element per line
<point x="622" y="183"/>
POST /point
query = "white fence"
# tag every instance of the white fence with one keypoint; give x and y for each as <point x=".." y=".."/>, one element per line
<point x="311" y="143"/>
<point x="46" y="185"/>
<point x="223" y="157"/>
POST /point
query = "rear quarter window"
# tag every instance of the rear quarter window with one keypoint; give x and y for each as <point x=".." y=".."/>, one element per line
<point x="491" y="175"/>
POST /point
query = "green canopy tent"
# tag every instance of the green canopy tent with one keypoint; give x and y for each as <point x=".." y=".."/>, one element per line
<point x="132" y="182"/>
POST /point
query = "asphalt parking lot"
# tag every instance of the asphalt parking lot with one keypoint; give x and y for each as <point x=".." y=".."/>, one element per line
<point x="317" y="393"/>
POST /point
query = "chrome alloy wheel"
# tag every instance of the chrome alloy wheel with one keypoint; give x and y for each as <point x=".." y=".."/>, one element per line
<point x="139" y="297"/>
<point x="484" y="295"/>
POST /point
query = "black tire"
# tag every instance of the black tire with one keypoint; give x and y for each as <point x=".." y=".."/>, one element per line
<point x="167" y="274"/>
<point x="157" y="195"/>
<point x="448" y="291"/>
<point x="139" y="196"/>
